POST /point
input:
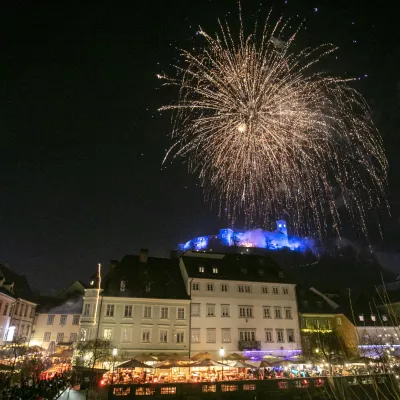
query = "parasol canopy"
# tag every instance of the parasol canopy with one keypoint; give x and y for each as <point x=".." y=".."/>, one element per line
<point x="208" y="363"/>
<point x="241" y="364"/>
<point x="235" y="357"/>
<point x="172" y="364"/>
<point x="145" y="357"/>
<point x="201" y="356"/>
<point x="133" y="364"/>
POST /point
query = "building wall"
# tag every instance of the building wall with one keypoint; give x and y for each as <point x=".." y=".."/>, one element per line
<point x="375" y="341"/>
<point x="50" y="327"/>
<point x="6" y="303"/>
<point x="228" y="328"/>
<point x="22" y="317"/>
<point x="138" y="333"/>
<point x="348" y="332"/>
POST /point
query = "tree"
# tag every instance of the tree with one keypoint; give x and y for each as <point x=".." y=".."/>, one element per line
<point x="93" y="351"/>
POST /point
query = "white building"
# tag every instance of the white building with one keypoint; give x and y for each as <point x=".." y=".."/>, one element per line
<point x="240" y="303"/>
<point x="141" y="305"/>
<point x="57" y="321"/>
<point x="6" y="302"/>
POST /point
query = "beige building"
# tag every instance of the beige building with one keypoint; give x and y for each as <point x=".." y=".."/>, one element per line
<point x="140" y="305"/>
<point x="57" y="321"/>
<point x="241" y="303"/>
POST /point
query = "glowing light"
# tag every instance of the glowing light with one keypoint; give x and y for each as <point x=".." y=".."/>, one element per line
<point x="266" y="131"/>
<point x="97" y="294"/>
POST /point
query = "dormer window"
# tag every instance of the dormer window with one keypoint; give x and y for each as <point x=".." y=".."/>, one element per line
<point x="91" y="283"/>
<point x="201" y="269"/>
<point x="215" y="270"/>
<point x="373" y="318"/>
<point x="280" y="274"/>
<point x="122" y="286"/>
<point x="261" y="272"/>
<point x="320" y="304"/>
<point x="244" y="271"/>
<point x="148" y="287"/>
<point x="384" y="317"/>
<point x="361" y="317"/>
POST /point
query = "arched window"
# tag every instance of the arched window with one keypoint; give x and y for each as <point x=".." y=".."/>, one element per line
<point x="122" y="286"/>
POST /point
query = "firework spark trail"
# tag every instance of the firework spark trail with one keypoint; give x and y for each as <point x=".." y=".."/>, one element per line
<point x="265" y="131"/>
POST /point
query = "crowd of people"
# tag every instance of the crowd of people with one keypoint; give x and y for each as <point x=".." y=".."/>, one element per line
<point x="28" y="389"/>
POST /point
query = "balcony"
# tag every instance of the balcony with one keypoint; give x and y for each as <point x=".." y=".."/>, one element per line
<point x="249" y="345"/>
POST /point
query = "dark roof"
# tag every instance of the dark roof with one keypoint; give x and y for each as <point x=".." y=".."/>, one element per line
<point x="21" y="286"/>
<point x="61" y="305"/>
<point x="235" y="267"/>
<point x="312" y="303"/>
<point x="158" y="278"/>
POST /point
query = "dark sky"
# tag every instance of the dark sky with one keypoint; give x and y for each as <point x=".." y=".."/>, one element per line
<point x="82" y="142"/>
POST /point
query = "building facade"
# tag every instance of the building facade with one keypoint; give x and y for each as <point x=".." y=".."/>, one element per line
<point x="140" y="305"/>
<point x="240" y="303"/>
<point x="57" y="321"/>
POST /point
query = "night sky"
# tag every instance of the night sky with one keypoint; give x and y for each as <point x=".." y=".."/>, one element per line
<point x="82" y="142"/>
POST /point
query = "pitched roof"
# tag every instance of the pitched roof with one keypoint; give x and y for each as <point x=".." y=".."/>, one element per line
<point x="234" y="267"/>
<point x="309" y="302"/>
<point x="158" y="278"/>
<point x="21" y="286"/>
<point x="71" y="304"/>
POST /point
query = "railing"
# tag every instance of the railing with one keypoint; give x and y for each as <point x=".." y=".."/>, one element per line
<point x="249" y="345"/>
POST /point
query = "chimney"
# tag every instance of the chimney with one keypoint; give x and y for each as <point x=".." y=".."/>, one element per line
<point x="144" y="255"/>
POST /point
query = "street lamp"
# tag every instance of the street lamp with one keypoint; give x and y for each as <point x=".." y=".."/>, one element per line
<point x="114" y="353"/>
<point x="222" y="353"/>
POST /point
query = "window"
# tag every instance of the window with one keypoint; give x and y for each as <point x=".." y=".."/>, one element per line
<point x="267" y="312"/>
<point x="147" y="312"/>
<point x="21" y="310"/>
<point x="339" y="321"/>
<point x="285" y="290"/>
<point x="26" y="311"/>
<point x="110" y="310"/>
<point x="75" y="320"/>
<point x="168" y="390"/>
<point x="209" y="388"/>
<point x="249" y="387"/>
<point x="180" y="337"/>
<point x="27" y="330"/>
<point x="268" y="335"/>
<point x="211" y="335"/>
<point x="210" y="287"/>
<point x="246" y="312"/>
<point x="181" y="313"/>
<point x="384" y="317"/>
<point x="275" y="290"/>
<point x="195" y="335"/>
<point x="305" y="303"/>
<point x="60" y="337"/>
<point x="224" y="287"/>
<point x="225" y="310"/>
<point x="128" y="311"/>
<point x="46" y="337"/>
<point x="163" y="338"/>
<point x="126" y="334"/>
<point x="122" y="286"/>
<point x="320" y="304"/>
<point x="229" y="388"/>
<point x="265" y="289"/>
<point x="141" y="391"/>
<point x="201" y="269"/>
<point x="278" y="313"/>
<point x="146" y="335"/>
<point x="279" y="335"/>
<point x="210" y="310"/>
<point x="195" y="310"/>
<point x="288" y="313"/>
<point x="1" y="304"/>
<point x="373" y="318"/>
<point x="73" y="337"/>
<point x="5" y="309"/>
<point x="83" y="335"/>
<point x="361" y="317"/>
<point x="226" y="335"/>
<point x="107" y="333"/>
<point x="63" y="320"/>
<point x="247" y="335"/>
<point x="244" y="289"/>
<point x="195" y="286"/>
<point x="164" y="313"/>
<point x="122" y="391"/>
<point x="215" y="270"/>
<point x="86" y="310"/>
<point x="290" y="335"/>
<point x="261" y="272"/>
<point x="16" y="309"/>
<point x="50" y="319"/>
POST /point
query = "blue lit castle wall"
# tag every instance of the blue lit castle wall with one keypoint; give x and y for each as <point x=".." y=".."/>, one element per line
<point x="257" y="238"/>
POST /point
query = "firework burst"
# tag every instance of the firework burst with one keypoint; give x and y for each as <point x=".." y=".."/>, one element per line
<point x="268" y="133"/>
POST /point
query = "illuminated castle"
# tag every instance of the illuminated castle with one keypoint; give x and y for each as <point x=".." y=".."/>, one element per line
<point x="257" y="238"/>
